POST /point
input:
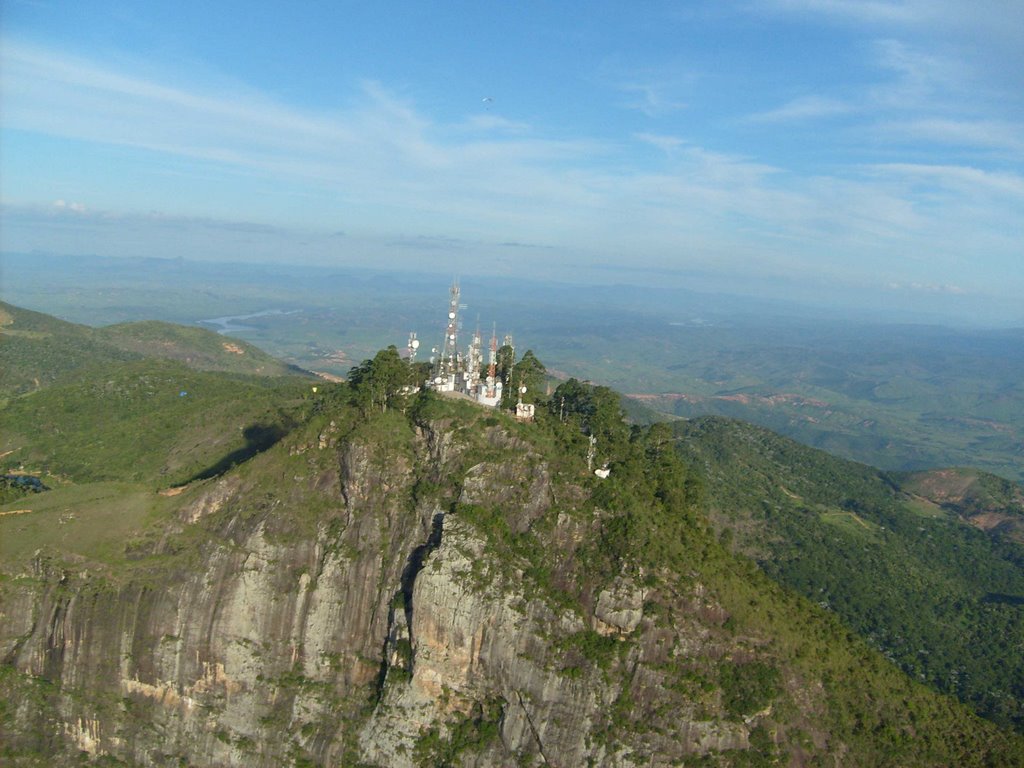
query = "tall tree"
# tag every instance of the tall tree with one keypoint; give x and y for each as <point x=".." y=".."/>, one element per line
<point x="382" y="381"/>
<point x="530" y="373"/>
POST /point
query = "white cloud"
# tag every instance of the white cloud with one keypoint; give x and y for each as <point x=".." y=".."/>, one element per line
<point x="488" y="123"/>
<point x="977" y="134"/>
<point x="653" y="99"/>
<point x="915" y="287"/>
<point x="995" y="20"/>
<point x="664" y="143"/>
<point x="381" y="149"/>
<point x="804" y="108"/>
<point x="921" y="77"/>
<point x="963" y="179"/>
<point x="656" y="91"/>
<point x="63" y="205"/>
<point x="962" y="47"/>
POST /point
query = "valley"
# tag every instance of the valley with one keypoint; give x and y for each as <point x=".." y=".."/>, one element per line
<point x="899" y="396"/>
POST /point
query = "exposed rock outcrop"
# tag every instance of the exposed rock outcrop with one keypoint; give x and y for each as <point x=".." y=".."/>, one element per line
<point x="399" y="596"/>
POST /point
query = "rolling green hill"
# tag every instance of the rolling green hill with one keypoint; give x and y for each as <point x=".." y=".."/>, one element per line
<point x="937" y="595"/>
<point x="154" y="421"/>
<point x="198" y="348"/>
<point x="37" y="350"/>
<point x="136" y="401"/>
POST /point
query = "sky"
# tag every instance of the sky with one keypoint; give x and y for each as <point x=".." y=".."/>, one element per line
<point x="865" y="153"/>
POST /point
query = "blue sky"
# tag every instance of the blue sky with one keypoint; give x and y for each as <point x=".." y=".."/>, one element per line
<point x="850" y="151"/>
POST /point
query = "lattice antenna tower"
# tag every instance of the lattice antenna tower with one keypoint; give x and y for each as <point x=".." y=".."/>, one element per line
<point x="449" y="362"/>
<point x="476" y="357"/>
<point x="492" y="364"/>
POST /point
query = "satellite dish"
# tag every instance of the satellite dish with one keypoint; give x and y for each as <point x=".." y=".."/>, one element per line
<point x="523" y="390"/>
<point x="451" y="315"/>
<point x="437" y="380"/>
<point x="415" y="343"/>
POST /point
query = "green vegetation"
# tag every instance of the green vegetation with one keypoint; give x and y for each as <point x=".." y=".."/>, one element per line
<point x="154" y="421"/>
<point x="845" y="536"/>
<point x="384" y="382"/>
<point x="647" y="520"/>
<point x="198" y="348"/>
<point x="466" y="734"/>
<point x="748" y="688"/>
<point x="722" y="640"/>
<point x="529" y="373"/>
<point x="39" y="350"/>
<point x="594" y="648"/>
<point x="987" y="501"/>
<point x="18" y="486"/>
<point x="91" y="521"/>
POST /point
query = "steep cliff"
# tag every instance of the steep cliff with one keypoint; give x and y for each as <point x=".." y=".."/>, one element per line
<point x="446" y="587"/>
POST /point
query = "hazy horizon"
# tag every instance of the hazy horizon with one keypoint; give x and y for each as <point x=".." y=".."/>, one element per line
<point x="655" y="292"/>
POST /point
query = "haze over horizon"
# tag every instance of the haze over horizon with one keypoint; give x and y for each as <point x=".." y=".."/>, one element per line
<point x="863" y="153"/>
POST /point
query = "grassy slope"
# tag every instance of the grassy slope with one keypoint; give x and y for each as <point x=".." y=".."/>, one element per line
<point x="196" y="347"/>
<point x="90" y="521"/>
<point x="89" y="404"/>
<point x="132" y="422"/>
<point x="37" y="350"/>
<point x="936" y="595"/>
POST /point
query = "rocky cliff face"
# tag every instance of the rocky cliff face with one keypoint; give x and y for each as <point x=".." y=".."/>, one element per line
<point x="390" y="595"/>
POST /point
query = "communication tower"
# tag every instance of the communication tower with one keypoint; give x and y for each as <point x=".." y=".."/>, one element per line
<point x="475" y="359"/>
<point x="464" y="374"/>
<point x="492" y="364"/>
<point x="448" y="363"/>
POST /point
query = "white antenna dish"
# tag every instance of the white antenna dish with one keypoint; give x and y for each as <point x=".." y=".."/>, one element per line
<point x="415" y="343"/>
<point x="523" y="390"/>
<point x="451" y="315"/>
